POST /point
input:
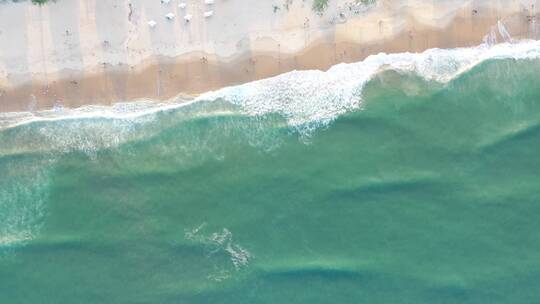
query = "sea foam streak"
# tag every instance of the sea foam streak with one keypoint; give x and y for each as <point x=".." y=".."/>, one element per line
<point x="22" y="202"/>
<point x="310" y="98"/>
<point x="221" y="242"/>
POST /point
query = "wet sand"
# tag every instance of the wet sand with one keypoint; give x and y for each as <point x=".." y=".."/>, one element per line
<point x="161" y="77"/>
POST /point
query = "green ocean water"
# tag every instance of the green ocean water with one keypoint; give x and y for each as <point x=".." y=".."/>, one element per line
<point x="427" y="193"/>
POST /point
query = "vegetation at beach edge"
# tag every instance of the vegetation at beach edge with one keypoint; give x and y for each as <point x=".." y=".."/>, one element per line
<point x="320" y="6"/>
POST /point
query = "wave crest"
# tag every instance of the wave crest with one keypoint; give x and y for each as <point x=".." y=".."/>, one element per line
<point x="305" y="97"/>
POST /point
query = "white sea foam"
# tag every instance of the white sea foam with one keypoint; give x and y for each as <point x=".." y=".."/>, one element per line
<point x="22" y="202"/>
<point x="303" y="97"/>
<point x="120" y="110"/>
<point x="221" y="242"/>
<point x="311" y="98"/>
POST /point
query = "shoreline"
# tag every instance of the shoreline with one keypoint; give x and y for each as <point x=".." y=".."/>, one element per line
<point x="162" y="77"/>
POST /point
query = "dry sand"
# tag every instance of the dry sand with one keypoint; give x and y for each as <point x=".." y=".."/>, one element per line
<point x="77" y="52"/>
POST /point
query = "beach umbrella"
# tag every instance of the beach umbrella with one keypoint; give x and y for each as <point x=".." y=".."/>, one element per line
<point x="152" y="23"/>
<point x="165" y="1"/>
<point x="182" y="5"/>
<point x="208" y="14"/>
<point x="209" y="1"/>
<point x="169" y="16"/>
<point x="188" y="17"/>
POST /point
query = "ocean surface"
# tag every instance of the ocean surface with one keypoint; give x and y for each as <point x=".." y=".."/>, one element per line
<point x="404" y="178"/>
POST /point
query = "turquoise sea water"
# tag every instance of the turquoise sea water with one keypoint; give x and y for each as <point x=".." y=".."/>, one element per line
<point x="427" y="192"/>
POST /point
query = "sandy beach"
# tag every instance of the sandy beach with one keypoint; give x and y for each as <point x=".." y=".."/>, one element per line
<point x="106" y="52"/>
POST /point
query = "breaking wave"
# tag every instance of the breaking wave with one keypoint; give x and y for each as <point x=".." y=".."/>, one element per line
<point x="307" y="100"/>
